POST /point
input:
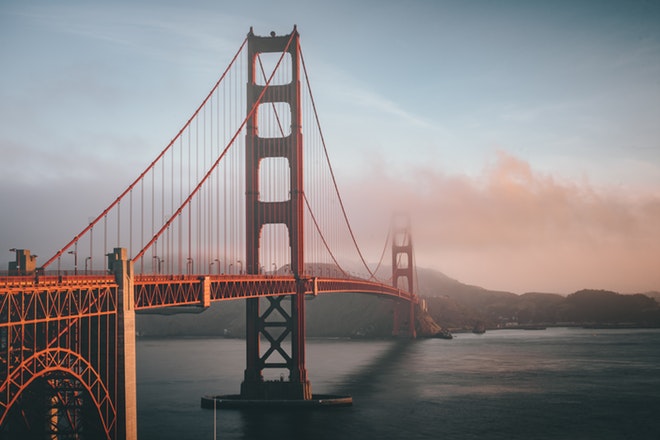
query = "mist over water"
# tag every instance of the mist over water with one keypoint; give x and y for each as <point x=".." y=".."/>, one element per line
<point x="550" y="384"/>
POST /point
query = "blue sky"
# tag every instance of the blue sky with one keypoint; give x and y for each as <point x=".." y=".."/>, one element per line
<point x="523" y="136"/>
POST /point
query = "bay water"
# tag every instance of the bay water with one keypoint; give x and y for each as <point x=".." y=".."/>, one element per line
<point x="558" y="383"/>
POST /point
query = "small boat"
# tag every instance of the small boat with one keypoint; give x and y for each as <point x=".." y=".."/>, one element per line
<point x="479" y="328"/>
<point x="443" y="334"/>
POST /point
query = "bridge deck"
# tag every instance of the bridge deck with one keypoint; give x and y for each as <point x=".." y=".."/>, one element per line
<point x="157" y="291"/>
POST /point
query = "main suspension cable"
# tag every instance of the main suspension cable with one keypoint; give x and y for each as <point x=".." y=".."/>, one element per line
<point x="151" y="166"/>
<point x="332" y="174"/>
<point x="249" y="115"/>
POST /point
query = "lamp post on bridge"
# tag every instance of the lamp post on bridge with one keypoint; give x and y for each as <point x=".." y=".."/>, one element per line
<point x="240" y="267"/>
<point x="86" y="260"/>
<point x="18" y="263"/>
<point x="191" y="265"/>
<point x="159" y="262"/>
<point x="75" y="260"/>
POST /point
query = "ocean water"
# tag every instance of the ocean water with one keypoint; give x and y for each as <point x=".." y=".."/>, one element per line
<point x="559" y="383"/>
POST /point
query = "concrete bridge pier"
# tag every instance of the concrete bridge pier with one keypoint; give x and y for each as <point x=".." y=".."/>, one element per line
<point x="126" y="401"/>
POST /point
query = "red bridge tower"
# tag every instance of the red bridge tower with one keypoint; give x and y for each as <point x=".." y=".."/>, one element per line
<point x="402" y="267"/>
<point x="276" y="323"/>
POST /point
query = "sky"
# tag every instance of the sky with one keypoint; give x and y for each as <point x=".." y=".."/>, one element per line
<point x="522" y="137"/>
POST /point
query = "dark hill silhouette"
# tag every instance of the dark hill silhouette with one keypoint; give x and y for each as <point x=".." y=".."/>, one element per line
<point x="605" y="307"/>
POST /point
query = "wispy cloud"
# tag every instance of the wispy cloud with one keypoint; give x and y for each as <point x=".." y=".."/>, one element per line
<point x="374" y="103"/>
<point x="163" y="33"/>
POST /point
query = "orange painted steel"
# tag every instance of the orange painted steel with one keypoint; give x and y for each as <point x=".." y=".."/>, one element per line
<point x="59" y="330"/>
<point x="157" y="291"/>
<point x="66" y="324"/>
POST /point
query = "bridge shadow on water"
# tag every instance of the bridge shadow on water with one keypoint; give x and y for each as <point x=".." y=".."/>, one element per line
<point x="367" y="380"/>
<point x="368" y="385"/>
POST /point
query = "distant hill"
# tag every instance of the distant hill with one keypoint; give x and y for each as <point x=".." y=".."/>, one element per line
<point x="451" y="304"/>
<point x="460" y="306"/>
<point x="654" y="295"/>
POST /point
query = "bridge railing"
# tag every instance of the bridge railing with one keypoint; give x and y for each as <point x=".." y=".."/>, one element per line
<point x="156" y="291"/>
<point x="38" y="281"/>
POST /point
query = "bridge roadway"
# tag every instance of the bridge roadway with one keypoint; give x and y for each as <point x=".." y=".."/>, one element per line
<point x="158" y="291"/>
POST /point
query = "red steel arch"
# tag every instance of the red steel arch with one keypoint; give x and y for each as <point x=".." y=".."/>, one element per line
<point x="47" y="361"/>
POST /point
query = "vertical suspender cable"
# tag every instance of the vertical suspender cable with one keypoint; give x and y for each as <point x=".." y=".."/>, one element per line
<point x="193" y="193"/>
<point x="162" y="208"/>
<point x="130" y="223"/>
<point x="180" y="228"/>
<point x="153" y="215"/>
<point x="118" y="224"/>
<point x="142" y="221"/>
<point x="217" y="187"/>
<point x="224" y="191"/>
<point x="103" y="215"/>
<point x="105" y="233"/>
<point x="91" y="250"/>
<point x="341" y="203"/>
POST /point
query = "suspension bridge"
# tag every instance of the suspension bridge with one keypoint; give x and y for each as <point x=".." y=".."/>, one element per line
<point x="242" y="204"/>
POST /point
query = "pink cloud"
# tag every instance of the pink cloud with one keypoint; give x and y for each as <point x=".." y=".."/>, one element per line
<point x="514" y="228"/>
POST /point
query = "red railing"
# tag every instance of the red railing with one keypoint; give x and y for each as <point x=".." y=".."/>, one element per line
<point x="155" y="291"/>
